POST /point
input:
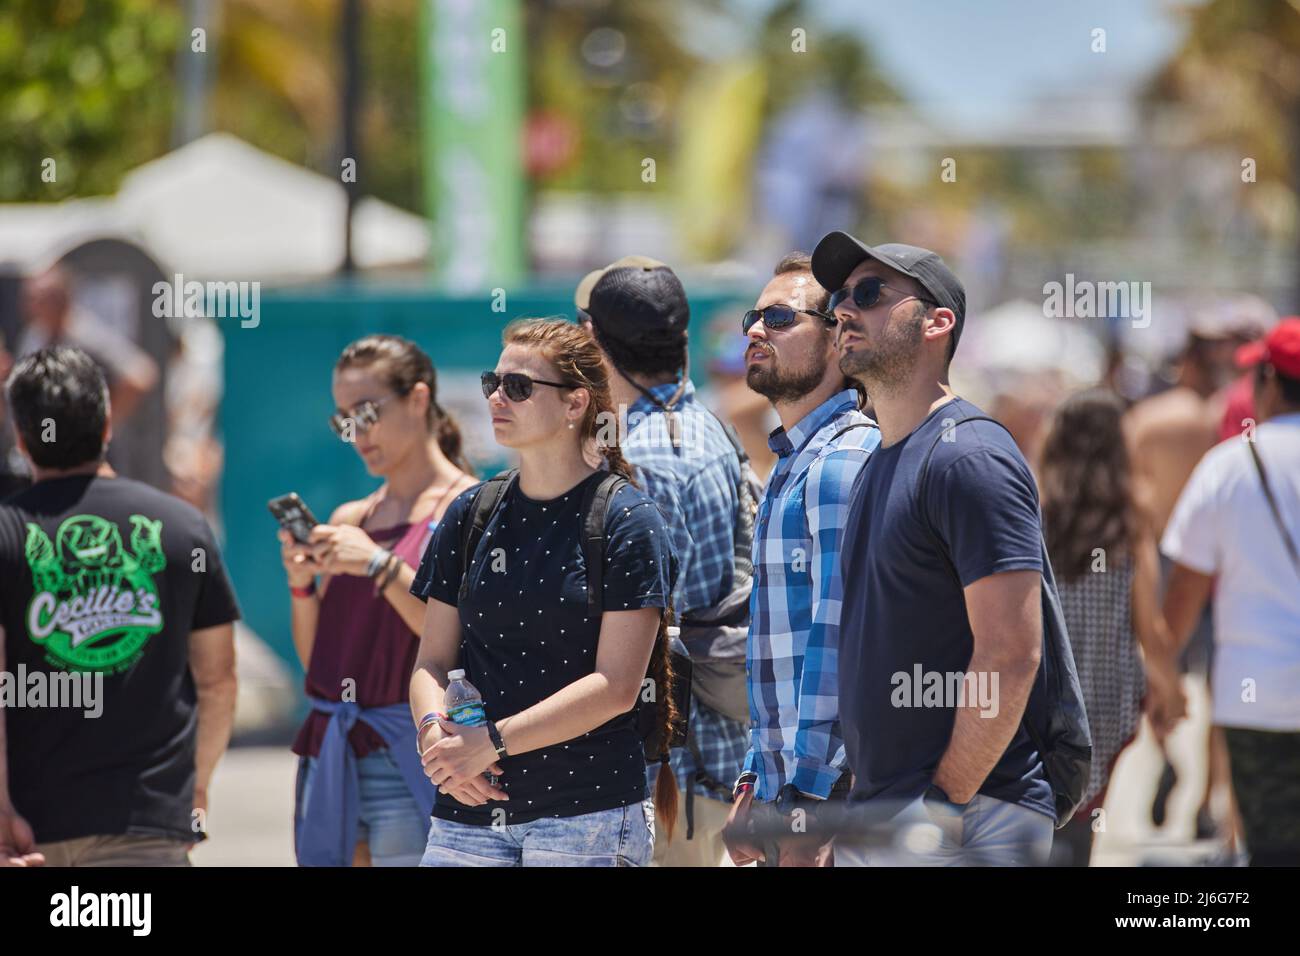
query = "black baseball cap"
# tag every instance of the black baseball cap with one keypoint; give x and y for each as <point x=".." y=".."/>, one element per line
<point x="636" y="301"/>
<point x="838" y="254"/>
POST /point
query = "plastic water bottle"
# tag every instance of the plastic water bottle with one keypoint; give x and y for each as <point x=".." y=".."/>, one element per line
<point x="463" y="701"/>
<point x="465" y="706"/>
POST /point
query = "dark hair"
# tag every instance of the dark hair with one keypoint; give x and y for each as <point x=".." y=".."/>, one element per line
<point x="403" y="365"/>
<point x="1290" y="387"/>
<point x="1086" y="483"/>
<point x="64" y="387"/>
<point x="572" y="350"/>
<point x="802" y="262"/>
<point x="644" y="358"/>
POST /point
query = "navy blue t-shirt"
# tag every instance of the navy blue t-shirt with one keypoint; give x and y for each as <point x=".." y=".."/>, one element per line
<point x="904" y="616"/>
<point x="525" y="634"/>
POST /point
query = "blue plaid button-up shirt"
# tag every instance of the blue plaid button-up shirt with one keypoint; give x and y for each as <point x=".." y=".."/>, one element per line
<point x="695" y="487"/>
<point x="795" y="607"/>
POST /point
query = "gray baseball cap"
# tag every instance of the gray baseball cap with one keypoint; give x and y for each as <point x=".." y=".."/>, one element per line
<point x="838" y="254"/>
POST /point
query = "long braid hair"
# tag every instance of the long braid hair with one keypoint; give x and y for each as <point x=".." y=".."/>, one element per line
<point x="574" y="353"/>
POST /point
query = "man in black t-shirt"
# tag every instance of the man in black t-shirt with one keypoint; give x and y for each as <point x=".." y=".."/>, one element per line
<point x="117" y="675"/>
<point x="941" y="626"/>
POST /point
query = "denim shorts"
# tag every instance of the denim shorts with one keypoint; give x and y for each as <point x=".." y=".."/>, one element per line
<point x="391" y="822"/>
<point x="623" y="836"/>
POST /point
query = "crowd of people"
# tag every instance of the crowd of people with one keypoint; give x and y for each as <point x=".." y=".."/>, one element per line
<point x="909" y="645"/>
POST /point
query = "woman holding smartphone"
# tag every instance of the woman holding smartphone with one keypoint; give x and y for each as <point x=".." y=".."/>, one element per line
<point x="360" y="799"/>
<point x="560" y="687"/>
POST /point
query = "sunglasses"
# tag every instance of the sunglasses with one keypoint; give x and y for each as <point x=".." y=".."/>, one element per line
<point x="362" y="417"/>
<point x="516" y="386"/>
<point x="866" y="294"/>
<point x="779" y="317"/>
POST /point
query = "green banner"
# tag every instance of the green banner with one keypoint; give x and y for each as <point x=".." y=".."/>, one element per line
<point x="472" y="79"/>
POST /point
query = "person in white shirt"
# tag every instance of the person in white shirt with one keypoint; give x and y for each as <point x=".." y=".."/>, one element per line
<point x="1236" y="528"/>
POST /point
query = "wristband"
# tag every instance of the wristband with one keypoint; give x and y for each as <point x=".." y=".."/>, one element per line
<point x="495" y="736"/>
<point x="388" y="573"/>
<point x="745" y="781"/>
<point x="377" y="561"/>
<point x="305" y="592"/>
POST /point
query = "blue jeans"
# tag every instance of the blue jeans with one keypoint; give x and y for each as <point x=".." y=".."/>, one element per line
<point x="623" y="836"/>
<point x="391" y="823"/>
<point x="986" y="832"/>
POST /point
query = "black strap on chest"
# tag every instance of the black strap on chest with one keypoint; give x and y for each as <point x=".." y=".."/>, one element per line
<point x="594" y="506"/>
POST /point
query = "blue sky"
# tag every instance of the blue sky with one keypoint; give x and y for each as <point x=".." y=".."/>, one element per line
<point x="963" y="61"/>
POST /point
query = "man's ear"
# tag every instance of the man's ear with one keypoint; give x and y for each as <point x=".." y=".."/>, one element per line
<point x="938" y="321"/>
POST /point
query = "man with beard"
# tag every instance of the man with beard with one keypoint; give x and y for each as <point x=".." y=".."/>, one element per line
<point x="796" y="752"/>
<point x="943" y="567"/>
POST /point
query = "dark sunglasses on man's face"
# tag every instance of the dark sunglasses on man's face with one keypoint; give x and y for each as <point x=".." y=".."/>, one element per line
<point x="779" y="317"/>
<point x="866" y="294"/>
<point x="516" y="386"/>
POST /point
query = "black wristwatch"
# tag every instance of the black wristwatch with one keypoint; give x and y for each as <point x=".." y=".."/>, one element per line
<point x="789" y="798"/>
<point x="495" y="736"/>
<point x="936" y="792"/>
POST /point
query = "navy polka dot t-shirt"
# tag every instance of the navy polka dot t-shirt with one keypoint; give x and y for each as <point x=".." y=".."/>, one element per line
<point x="526" y="634"/>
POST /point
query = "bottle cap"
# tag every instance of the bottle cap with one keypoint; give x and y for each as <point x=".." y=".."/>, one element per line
<point x="457" y="674"/>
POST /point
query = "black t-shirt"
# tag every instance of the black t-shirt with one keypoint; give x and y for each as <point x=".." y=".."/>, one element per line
<point x="106" y="576"/>
<point x="904" y="617"/>
<point x="525" y="634"/>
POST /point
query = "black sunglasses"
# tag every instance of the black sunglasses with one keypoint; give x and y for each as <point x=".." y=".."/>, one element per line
<point x="866" y="294"/>
<point x="517" y="386"/>
<point x="779" y="317"/>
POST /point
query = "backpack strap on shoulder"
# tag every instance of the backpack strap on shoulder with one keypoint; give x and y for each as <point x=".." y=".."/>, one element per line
<point x="849" y="428"/>
<point x="485" y="503"/>
<point x="595" y="505"/>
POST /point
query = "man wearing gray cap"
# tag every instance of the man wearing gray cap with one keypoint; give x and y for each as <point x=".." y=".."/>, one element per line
<point x="942" y="564"/>
<point x="695" y="469"/>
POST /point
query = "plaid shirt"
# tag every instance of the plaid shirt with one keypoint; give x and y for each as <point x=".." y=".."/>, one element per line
<point x="695" y="487"/>
<point x="795" y="608"/>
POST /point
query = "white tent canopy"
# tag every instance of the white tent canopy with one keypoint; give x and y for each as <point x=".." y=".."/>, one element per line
<point x="219" y="208"/>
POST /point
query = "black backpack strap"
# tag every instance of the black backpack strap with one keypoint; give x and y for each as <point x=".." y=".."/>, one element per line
<point x="595" y="504"/>
<point x="485" y="503"/>
<point x="849" y="428"/>
<point x="1272" y="506"/>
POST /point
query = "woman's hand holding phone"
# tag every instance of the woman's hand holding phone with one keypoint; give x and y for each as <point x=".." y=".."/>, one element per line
<point x="299" y="565"/>
<point x="342" y="549"/>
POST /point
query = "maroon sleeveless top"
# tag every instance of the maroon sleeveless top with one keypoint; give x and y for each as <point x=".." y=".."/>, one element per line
<point x="362" y="637"/>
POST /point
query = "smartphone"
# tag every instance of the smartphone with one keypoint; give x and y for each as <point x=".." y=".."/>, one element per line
<point x="294" y="516"/>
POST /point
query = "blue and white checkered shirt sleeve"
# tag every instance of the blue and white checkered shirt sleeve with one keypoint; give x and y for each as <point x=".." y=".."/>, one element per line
<point x="818" y="744"/>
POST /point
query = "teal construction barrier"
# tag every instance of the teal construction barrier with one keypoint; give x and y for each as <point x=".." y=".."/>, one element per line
<point x="277" y="400"/>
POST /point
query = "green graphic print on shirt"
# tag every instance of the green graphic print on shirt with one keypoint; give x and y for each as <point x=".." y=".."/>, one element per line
<point x="95" y="604"/>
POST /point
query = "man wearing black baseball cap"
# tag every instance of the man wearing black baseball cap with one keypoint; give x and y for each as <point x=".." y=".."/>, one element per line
<point x="689" y="463"/>
<point x="942" y="565"/>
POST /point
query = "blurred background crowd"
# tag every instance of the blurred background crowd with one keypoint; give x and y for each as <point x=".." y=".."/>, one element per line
<point x="434" y="168"/>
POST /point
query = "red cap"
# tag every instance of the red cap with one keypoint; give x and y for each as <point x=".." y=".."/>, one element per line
<point x="1280" y="348"/>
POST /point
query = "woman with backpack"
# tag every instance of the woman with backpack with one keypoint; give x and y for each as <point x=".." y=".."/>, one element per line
<point x="1103" y="551"/>
<point x="361" y="797"/>
<point x="555" y="776"/>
